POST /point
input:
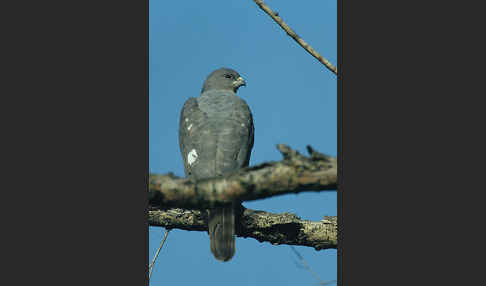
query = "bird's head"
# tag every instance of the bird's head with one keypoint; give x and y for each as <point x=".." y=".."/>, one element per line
<point x="223" y="79"/>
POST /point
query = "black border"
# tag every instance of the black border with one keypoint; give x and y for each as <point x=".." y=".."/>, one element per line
<point x="409" y="205"/>
<point x="77" y="89"/>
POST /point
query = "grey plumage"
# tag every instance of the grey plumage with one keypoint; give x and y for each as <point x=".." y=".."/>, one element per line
<point x="216" y="137"/>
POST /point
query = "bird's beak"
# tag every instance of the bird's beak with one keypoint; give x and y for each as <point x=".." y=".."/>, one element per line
<point x="239" y="82"/>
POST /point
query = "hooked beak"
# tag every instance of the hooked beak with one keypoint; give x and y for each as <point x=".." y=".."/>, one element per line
<point x="239" y="82"/>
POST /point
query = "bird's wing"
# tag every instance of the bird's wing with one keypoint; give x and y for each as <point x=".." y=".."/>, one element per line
<point x="189" y="139"/>
<point x="246" y="131"/>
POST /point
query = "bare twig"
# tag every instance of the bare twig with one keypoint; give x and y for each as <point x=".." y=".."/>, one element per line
<point x="307" y="266"/>
<point x="158" y="251"/>
<point x="285" y="228"/>
<point x="294" y="174"/>
<point x="294" y="36"/>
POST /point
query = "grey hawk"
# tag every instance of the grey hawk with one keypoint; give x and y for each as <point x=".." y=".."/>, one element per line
<point x="216" y="137"/>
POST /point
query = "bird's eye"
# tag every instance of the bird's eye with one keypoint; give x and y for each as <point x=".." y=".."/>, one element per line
<point x="228" y="76"/>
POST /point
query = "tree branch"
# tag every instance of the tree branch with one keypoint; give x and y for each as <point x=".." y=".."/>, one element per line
<point x="294" y="174"/>
<point x="294" y="36"/>
<point x="277" y="229"/>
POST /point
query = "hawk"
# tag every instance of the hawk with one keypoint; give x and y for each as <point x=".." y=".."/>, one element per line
<point x="216" y="137"/>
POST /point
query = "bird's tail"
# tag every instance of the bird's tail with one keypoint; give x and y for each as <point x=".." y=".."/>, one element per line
<point x="221" y="227"/>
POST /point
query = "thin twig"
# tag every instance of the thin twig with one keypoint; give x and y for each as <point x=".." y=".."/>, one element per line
<point x="307" y="266"/>
<point x="294" y="36"/>
<point x="158" y="251"/>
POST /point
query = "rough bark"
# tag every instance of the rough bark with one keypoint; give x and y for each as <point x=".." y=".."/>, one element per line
<point x="277" y="229"/>
<point x="294" y="174"/>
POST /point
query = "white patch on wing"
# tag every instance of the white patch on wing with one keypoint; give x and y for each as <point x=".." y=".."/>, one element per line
<point x="186" y="120"/>
<point x="189" y="128"/>
<point x="242" y="125"/>
<point x="191" y="157"/>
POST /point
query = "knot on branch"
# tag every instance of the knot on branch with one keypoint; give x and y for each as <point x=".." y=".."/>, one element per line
<point x="288" y="153"/>
<point x="316" y="158"/>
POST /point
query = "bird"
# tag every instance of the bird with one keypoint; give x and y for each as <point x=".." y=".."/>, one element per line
<point x="216" y="136"/>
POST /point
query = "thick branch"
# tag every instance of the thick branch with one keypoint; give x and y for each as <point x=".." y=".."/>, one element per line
<point x="294" y="36"/>
<point x="277" y="229"/>
<point x="294" y="174"/>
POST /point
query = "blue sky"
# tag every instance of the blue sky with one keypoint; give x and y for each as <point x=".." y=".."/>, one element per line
<point x="293" y="100"/>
